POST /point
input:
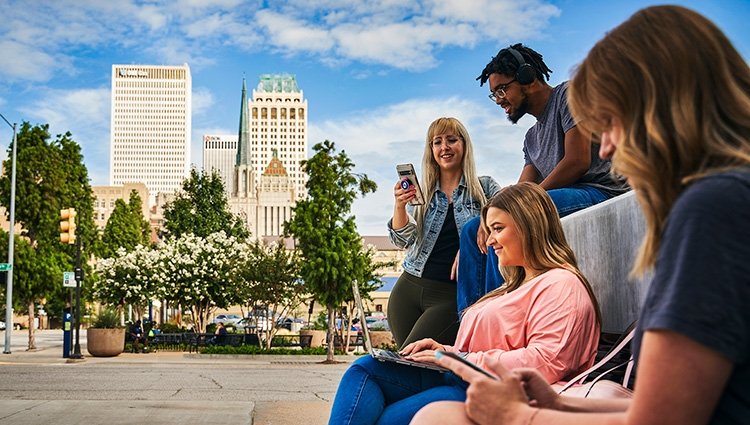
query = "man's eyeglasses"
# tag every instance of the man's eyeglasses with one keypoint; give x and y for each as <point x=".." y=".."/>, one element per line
<point x="499" y="92"/>
<point x="451" y="141"/>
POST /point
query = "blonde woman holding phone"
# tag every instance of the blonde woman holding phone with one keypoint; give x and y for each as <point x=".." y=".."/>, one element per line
<point x="423" y="301"/>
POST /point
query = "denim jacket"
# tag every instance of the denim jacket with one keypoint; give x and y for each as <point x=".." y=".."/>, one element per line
<point x="419" y="247"/>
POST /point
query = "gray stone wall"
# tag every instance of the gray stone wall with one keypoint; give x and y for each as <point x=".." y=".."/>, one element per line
<point x="605" y="239"/>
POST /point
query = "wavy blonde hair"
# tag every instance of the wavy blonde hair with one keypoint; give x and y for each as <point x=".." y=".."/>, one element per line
<point x="431" y="169"/>
<point x="542" y="238"/>
<point x="682" y="94"/>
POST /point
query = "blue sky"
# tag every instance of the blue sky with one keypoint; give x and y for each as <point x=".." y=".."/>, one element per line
<point x="375" y="73"/>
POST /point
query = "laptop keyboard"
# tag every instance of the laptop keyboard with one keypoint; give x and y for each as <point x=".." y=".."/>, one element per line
<point x="391" y="354"/>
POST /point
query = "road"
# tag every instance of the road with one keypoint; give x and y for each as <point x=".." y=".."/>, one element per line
<point x="162" y="387"/>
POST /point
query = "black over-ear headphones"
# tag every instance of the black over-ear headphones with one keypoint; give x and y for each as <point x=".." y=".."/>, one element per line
<point x="525" y="73"/>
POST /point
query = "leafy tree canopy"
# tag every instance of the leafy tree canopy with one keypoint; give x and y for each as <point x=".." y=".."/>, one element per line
<point x="201" y="208"/>
<point x="325" y="230"/>
<point x="270" y="278"/>
<point x="50" y="176"/>
<point x="126" y="227"/>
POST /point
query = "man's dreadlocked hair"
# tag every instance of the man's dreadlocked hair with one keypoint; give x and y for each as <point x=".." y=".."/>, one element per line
<point x="505" y="63"/>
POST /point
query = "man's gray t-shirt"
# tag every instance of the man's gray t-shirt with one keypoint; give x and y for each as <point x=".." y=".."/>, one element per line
<point x="544" y="145"/>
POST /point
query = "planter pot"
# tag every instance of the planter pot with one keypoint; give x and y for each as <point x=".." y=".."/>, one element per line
<point x="380" y="338"/>
<point x="105" y="342"/>
<point x="318" y="337"/>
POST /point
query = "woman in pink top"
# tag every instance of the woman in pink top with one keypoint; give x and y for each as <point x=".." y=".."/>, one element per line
<point x="544" y="317"/>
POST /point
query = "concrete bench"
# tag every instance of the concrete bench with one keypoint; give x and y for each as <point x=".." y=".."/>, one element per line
<point x="605" y="239"/>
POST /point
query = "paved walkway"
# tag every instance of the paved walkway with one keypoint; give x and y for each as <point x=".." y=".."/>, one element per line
<point x="41" y="387"/>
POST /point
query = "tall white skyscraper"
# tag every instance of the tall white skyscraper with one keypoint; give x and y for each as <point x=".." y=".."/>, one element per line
<point x="150" y="126"/>
<point x="278" y="122"/>
<point x="220" y="155"/>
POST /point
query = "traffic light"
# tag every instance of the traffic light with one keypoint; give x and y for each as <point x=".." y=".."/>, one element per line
<point x="68" y="226"/>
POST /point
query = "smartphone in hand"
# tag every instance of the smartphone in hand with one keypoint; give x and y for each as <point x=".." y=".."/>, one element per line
<point x="468" y="363"/>
<point x="407" y="170"/>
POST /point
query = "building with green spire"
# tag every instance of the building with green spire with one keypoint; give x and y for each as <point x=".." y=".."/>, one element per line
<point x="266" y="177"/>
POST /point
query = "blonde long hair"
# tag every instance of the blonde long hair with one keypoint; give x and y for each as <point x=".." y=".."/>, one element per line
<point x="542" y="238"/>
<point x="682" y="93"/>
<point x="431" y="169"/>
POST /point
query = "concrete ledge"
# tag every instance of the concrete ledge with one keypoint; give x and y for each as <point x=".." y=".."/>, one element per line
<point x="605" y="239"/>
<point x="114" y="412"/>
<point x="291" y="413"/>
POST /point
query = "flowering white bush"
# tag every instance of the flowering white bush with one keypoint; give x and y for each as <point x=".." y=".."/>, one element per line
<point x="127" y="278"/>
<point x="200" y="273"/>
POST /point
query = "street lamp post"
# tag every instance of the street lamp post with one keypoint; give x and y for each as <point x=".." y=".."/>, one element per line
<point x="9" y="282"/>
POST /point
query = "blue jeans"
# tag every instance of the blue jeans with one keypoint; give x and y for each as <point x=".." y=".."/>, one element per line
<point x="375" y="392"/>
<point x="575" y="198"/>
<point x="479" y="273"/>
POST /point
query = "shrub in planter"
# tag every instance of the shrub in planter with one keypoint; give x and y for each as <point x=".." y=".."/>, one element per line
<point x="105" y="337"/>
<point x="317" y="329"/>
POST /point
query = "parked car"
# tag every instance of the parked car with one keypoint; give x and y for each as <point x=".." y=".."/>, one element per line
<point x="286" y="322"/>
<point x="227" y="319"/>
<point x="253" y="323"/>
<point x="378" y="324"/>
<point x="247" y="322"/>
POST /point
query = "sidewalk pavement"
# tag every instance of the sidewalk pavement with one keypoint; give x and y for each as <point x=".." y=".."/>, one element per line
<point x="40" y="387"/>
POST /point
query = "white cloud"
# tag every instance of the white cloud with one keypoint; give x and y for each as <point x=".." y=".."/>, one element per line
<point x="178" y="51"/>
<point x="378" y="140"/>
<point x="203" y="100"/>
<point x="208" y="26"/>
<point x="45" y="37"/>
<point x="22" y="62"/>
<point x="293" y="35"/>
<point x="85" y="113"/>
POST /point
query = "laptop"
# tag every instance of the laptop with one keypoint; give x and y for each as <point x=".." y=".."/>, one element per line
<point x="380" y="354"/>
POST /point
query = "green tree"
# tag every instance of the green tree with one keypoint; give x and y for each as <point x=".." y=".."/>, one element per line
<point x="126" y="227"/>
<point x="50" y="176"/>
<point x="325" y="230"/>
<point x="270" y="278"/>
<point x="29" y="267"/>
<point x="201" y="208"/>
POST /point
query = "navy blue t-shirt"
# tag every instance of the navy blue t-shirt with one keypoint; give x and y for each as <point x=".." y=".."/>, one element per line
<point x="701" y="284"/>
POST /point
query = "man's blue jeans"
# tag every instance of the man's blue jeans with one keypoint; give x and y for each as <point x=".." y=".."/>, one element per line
<point x="375" y="392"/>
<point x="479" y="273"/>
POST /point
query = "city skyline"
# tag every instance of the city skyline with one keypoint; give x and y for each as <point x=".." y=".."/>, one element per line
<point x="375" y="74"/>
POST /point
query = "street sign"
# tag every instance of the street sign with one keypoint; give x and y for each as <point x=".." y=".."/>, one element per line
<point x="69" y="280"/>
<point x="4" y="267"/>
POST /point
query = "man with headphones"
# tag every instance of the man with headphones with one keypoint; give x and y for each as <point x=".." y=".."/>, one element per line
<point x="557" y="156"/>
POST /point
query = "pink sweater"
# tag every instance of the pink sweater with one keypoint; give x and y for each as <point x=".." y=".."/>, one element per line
<point x="548" y="324"/>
